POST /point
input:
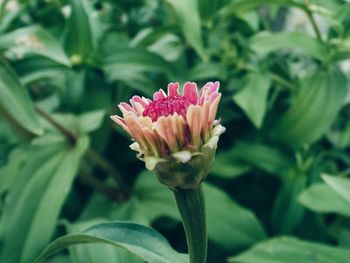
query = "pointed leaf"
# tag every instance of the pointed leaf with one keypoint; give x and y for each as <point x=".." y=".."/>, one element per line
<point x="140" y="240"/>
<point x="252" y="98"/>
<point x="15" y="100"/>
<point x="323" y="199"/>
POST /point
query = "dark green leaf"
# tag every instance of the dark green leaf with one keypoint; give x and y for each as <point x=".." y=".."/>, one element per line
<point x="230" y="225"/>
<point x="287" y="211"/>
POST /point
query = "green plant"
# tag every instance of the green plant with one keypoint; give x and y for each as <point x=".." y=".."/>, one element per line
<point x="282" y="165"/>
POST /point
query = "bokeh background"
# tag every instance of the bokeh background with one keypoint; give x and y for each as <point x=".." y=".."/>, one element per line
<point x="280" y="188"/>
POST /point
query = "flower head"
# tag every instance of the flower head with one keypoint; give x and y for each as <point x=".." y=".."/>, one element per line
<point x="175" y="133"/>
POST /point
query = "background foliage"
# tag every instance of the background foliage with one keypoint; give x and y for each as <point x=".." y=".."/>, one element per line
<point x="279" y="191"/>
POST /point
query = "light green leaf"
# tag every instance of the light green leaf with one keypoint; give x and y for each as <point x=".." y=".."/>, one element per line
<point x="78" y="39"/>
<point x="227" y="166"/>
<point x="204" y="71"/>
<point x="264" y="43"/>
<point x="97" y="253"/>
<point x="322" y="198"/>
<point x="91" y="121"/>
<point x="262" y="156"/>
<point x="33" y="206"/>
<point x="230" y="225"/>
<point x="292" y="250"/>
<point x="32" y="40"/>
<point x="15" y="100"/>
<point x="187" y="15"/>
<point x="252" y="98"/>
<point x="339" y="184"/>
<point x="140" y="240"/>
<point x="313" y="110"/>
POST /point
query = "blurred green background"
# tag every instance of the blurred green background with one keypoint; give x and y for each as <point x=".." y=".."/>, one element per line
<point x="279" y="191"/>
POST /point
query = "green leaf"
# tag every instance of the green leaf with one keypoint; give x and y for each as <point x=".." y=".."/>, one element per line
<point x="78" y="38"/>
<point x="33" y="40"/>
<point x="140" y="240"/>
<point x="292" y="250"/>
<point x="33" y="69"/>
<point x="15" y="100"/>
<point x="262" y="156"/>
<point x="34" y="203"/>
<point x="227" y="166"/>
<point x="313" y="109"/>
<point x="187" y="15"/>
<point x="96" y="253"/>
<point x="129" y="65"/>
<point x="148" y="201"/>
<point x="134" y="60"/>
<point x="322" y="198"/>
<point x="252" y="98"/>
<point x="204" y="71"/>
<point x="242" y="6"/>
<point x="264" y="43"/>
<point x="287" y="211"/>
<point x="230" y="225"/>
<point x="339" y="184"/>
<point x="91" y="121"/>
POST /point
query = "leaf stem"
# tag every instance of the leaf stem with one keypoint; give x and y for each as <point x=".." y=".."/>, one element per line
<point x="191" y="205"/>
<point x="90" y="153"/>
<point x="313" y="23"/>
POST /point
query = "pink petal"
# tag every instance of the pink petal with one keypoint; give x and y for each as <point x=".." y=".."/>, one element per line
<point x="125" y="108"/>
<point x="164" y="128"/>
<point x="190" y="91"/>
<point x="195" y="119"/>
<point x="173" y="89"/>
<point x="121" y="122"/>
<point x="213" y="108"/>
<point x="139" y="100"/>
<point x="159" y="95"/>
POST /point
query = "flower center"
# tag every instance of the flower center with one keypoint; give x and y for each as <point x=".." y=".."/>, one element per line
<point x="167" y="106"/>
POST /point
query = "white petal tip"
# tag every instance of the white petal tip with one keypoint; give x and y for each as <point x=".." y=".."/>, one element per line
<point x="183" y="156"/>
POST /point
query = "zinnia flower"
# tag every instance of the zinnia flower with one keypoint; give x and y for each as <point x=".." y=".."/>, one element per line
<point x="175" y="135"/>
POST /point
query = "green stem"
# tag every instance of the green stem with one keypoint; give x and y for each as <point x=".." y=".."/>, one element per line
<point x="192" y="209"/>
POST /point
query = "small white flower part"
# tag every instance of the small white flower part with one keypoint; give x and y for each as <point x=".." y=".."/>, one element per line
<point x="183" y="156"/>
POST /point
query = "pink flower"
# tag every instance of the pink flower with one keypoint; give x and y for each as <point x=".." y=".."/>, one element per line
<point x="172" y="126"/>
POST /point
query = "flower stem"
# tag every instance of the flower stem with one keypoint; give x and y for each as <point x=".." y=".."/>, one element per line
<point x="192" y="209"/>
